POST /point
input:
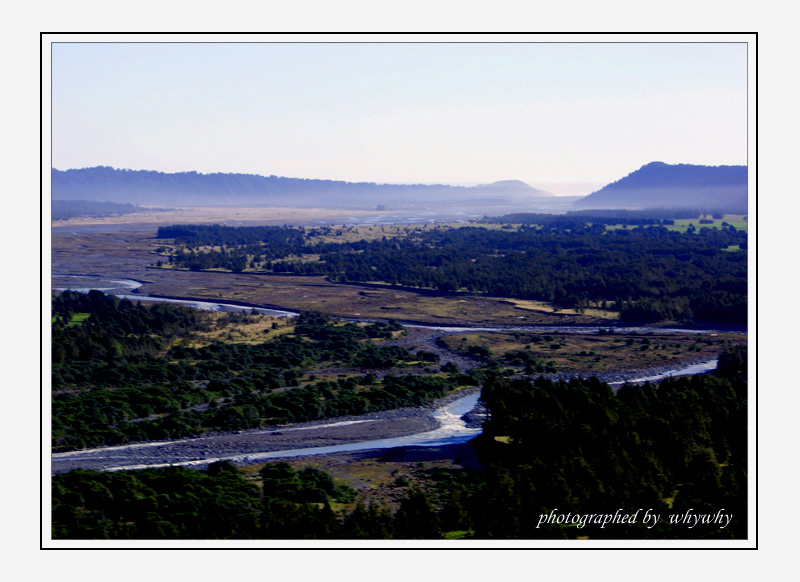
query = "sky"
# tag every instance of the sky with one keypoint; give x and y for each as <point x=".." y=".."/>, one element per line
<point x="576" y="115"/>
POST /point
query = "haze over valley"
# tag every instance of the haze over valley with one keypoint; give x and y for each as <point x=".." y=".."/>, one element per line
<point x="655" y="185"/>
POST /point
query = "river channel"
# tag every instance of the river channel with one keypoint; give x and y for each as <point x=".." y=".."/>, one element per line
<point x="450" y="429"/>
<point x="122" y="288"/>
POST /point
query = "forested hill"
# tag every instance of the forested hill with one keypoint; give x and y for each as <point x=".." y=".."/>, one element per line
<point x="192" y="188"/>
<point x="66" y="209"/>
<point x="675" y="186"/>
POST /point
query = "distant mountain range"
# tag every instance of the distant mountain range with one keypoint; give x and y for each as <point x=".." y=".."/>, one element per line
<point x="107" y="184"/>
<point x="654" y="185"/>
<point x="660" y="185"/>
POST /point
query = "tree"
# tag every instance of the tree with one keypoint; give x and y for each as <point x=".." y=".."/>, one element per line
<point x="416" y="518"/>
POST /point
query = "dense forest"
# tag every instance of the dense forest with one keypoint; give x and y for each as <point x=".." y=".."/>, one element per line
<point x="574" y="447"/>
<point x="578" y="447"/>
<point x="648" y="273"/>
<point x="121" y="375"/>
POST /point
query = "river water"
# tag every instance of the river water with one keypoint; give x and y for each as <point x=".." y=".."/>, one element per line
<point x="122" y="287"/>
<point x="452" y="430"/>
<point x="690" y="370"/>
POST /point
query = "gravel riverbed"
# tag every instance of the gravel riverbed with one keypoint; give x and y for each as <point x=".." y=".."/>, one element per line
<point x="323" y="433"/>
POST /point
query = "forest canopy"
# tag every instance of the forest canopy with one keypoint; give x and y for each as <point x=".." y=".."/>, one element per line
<point x="122" y="374"/>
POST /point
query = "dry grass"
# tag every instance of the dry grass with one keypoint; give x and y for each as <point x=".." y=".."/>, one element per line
<point x="256" y="329"/>
<point x="545" y="307"/>
<point x="601" y="353"/>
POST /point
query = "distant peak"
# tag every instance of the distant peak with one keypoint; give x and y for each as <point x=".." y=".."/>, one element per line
<point x="515" y="184"/>
<point x="658" y="184"/>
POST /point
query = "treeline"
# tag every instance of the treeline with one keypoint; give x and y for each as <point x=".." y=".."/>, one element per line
<point x="648" y="274"/>
<point x="646" y="214"/>
<point x="246" y="246"/>
<point x="117" y="377"/>
<point x="66" y="209"/>
<point x="614" y="216"/>
<point x="548" y="447"/>
<point x="276" y="237"/>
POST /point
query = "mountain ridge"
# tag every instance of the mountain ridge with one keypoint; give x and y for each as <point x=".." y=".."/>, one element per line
<point x="104" y="183"/>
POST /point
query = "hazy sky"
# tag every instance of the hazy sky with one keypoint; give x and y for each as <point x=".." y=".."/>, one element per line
<point x="399" y="112"/>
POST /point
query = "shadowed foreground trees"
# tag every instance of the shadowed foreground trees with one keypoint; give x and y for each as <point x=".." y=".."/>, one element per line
<point x="221" y="503"/>
<point x="676" y="448"/>
<point x="577" y="447"/>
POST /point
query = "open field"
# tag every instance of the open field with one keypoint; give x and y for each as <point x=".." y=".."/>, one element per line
<point x="544" y="307"/>
<point x="736" y="220"/>
<point x="76" y="319"/>
<point x="681" y="225"/>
